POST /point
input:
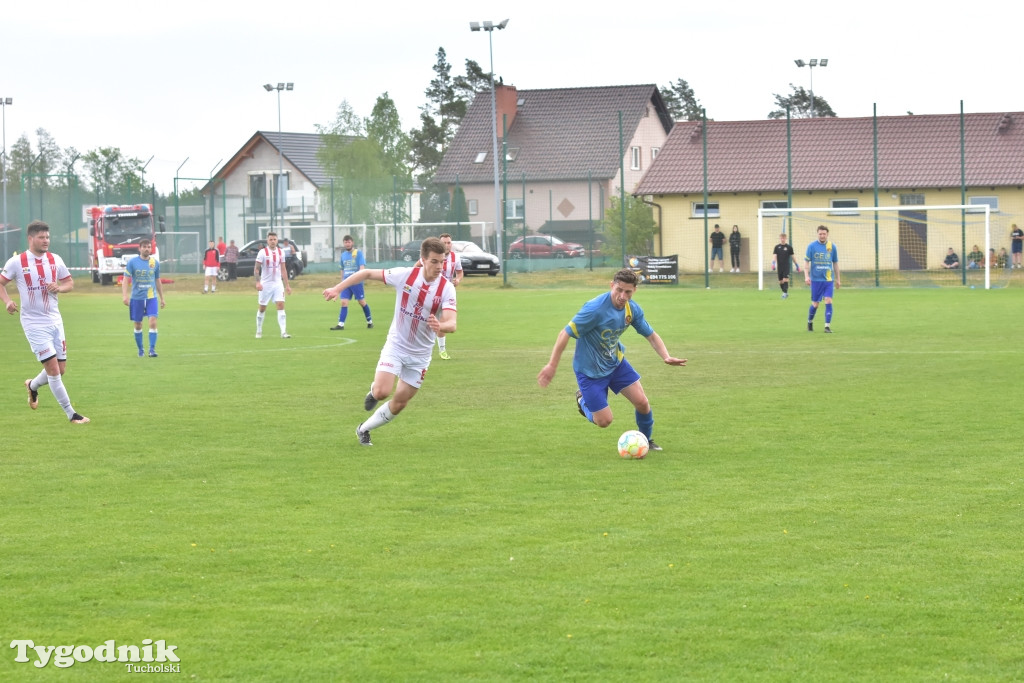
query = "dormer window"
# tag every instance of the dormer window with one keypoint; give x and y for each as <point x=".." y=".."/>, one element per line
<point x="480" y="158"/>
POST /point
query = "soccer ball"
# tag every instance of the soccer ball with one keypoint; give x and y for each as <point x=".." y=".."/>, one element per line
<point x="633" y="444"/>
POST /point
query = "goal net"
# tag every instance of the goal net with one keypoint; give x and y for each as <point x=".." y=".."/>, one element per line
<point x="890" y="246"/>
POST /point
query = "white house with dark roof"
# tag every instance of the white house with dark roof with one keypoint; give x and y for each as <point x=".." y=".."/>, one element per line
<point x="565" y="153"/>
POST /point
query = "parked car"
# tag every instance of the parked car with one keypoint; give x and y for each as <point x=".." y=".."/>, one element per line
<point x="475" y="260"/>
<point x="410" y="251"/>
<point x="295" y="260"/>
<point x="544" y="246"/>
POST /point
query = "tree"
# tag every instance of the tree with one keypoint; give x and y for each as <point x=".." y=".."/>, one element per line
<point x="799" y="104"/>
<point x="370" y="171"/>
<point x="475" y="80"/>
<point x="640" y="227"/>
<point x="681" y="101"/>
<point x="111" y="175"/>
<point x="439" y="118"/>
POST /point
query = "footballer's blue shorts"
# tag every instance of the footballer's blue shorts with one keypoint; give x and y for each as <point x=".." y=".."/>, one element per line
<point x="142" y="308"/>
<point x="821" y="289"/>
<point x="595" y="391"/>
<point x="353" y="292"/>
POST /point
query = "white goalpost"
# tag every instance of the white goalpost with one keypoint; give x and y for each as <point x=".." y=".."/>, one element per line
<point x="889" y="246"/>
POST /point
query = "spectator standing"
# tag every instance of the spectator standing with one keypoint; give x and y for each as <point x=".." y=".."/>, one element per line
<point x="1016" y="245"/>
<point x="735" y="239"/>
<point x="717" y="240"/>
<point x="211" y="267"/>
<point x="221" y="247"/>
<point x="231" y="260"/>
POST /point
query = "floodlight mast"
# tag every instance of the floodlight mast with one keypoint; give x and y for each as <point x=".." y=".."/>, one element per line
<point x="490" y="27"/>
<point x="811" y="64"/>
<point x="280" y="152"/>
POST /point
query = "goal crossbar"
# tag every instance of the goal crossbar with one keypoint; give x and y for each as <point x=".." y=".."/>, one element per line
<point x="841" y="213"/>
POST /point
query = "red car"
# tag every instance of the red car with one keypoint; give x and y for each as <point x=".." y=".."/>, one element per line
<point x="544" y="246"/>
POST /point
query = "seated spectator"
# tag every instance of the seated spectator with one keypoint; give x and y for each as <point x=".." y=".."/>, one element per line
<point x="952" y="260"/>
<point x="976" y="259"/>
<point x="1003" y="259"/>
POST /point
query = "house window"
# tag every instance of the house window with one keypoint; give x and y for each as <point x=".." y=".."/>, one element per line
<point x="768" y="205"/>
<point x="992" y="202"/>
<point x="654" y="152"/>
<point x="258" y="192"/>
<point x="843" y="207"/>
<point x="712" y="210"/>
<point x="281" y="188"/>
<point x="634" y="158"/>
<point x="514" y="209"/>
<point x="480" y="157"/>
<point x="473" y="206"/>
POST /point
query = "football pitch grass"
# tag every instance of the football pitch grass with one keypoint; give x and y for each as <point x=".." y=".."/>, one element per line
<point x="843" y="507"/>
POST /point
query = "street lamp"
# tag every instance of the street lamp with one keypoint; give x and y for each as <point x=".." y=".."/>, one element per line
<point x="280" y="153"/>
<point x="4" y="103"/>
<point x="490" y="26"/>
<point x="811" y="64"/>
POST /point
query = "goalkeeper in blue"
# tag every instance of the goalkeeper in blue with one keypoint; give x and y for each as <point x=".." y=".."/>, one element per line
<point x="821" y="274"/>
<point x="600" y="358"/>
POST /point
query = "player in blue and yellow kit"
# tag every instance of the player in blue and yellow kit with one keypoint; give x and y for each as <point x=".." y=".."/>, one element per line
<point x="142" y="274"/>
<point x="821" y="274"/>
<point x="352" y="261"/>
<point x="599" y="360"/>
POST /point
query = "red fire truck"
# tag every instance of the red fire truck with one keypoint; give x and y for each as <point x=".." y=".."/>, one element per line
<point x="114" y="235"/>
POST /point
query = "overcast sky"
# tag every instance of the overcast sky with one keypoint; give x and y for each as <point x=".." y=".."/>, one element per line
<point x="184" y="85"/>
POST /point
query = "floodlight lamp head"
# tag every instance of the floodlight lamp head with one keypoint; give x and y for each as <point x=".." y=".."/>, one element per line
<point x="814" y="62"/>
<point x="822" y="62"/>
<point x="268" y="87"/>
<point x="474" y="26"/>
<point x="280" y="86"/>
<point x="488" y="25"/>
<point x="503" y="24"/>
<point x="8" y="100"/>
<point x="289" y="86"/>
<point x="799" y="62"/>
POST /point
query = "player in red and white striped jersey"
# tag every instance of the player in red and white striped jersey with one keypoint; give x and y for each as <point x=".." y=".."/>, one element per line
<point x="424" y="306"/>
<point x="271" y="274"/>
<point x="41" y="276"/>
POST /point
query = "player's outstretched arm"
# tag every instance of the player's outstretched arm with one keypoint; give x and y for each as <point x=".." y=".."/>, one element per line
<point x="659" y="348"/>
<point x="547" y="373"/>
<point x="355" y="278"/>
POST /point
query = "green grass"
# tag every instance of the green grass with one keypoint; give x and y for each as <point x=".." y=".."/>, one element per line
<point x="844" y="507"/>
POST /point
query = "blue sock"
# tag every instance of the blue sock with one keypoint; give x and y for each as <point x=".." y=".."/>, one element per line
<point x="645" y="423"/>
<point x="366" y="312"/>
<point x="586" y="411"/>
<point x="138" y="339"/>
<point x="152" y="340"/>
<point x="810" y="313"/>
<point x="828" y="313"/>
<point x="342" y="315"/>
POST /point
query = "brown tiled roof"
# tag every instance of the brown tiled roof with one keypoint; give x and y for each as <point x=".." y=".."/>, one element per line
<point x="838" y="154"/>
<point x="560" y="133"/>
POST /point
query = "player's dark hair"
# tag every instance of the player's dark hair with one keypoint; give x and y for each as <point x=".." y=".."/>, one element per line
<point x="823" y="227"/>
<point x="35" y="227"/>
<point x="431" y="245"/>
<point x="444" y="234"/>
<point x="347" y="238"/>
<point x="626" y="277"/>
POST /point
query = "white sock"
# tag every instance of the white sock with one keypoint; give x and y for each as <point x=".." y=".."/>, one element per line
<point x="380" y="417"/>
<point x="281" y="322"/>
<point x="440" y="343"/>
<point x="259" y="322"/>
<point x="39" y="381"/>
<point x="61" y="394"/>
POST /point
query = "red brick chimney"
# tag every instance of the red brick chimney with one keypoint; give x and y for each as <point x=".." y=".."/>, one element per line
<point x="505" y="98"/>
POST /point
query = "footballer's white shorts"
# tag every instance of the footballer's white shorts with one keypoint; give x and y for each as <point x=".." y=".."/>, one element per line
<point x="410" y="369"/>
<point x="47" y="341"/>
<point x="212" y="271"/>
<point x="274" y="292"/>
